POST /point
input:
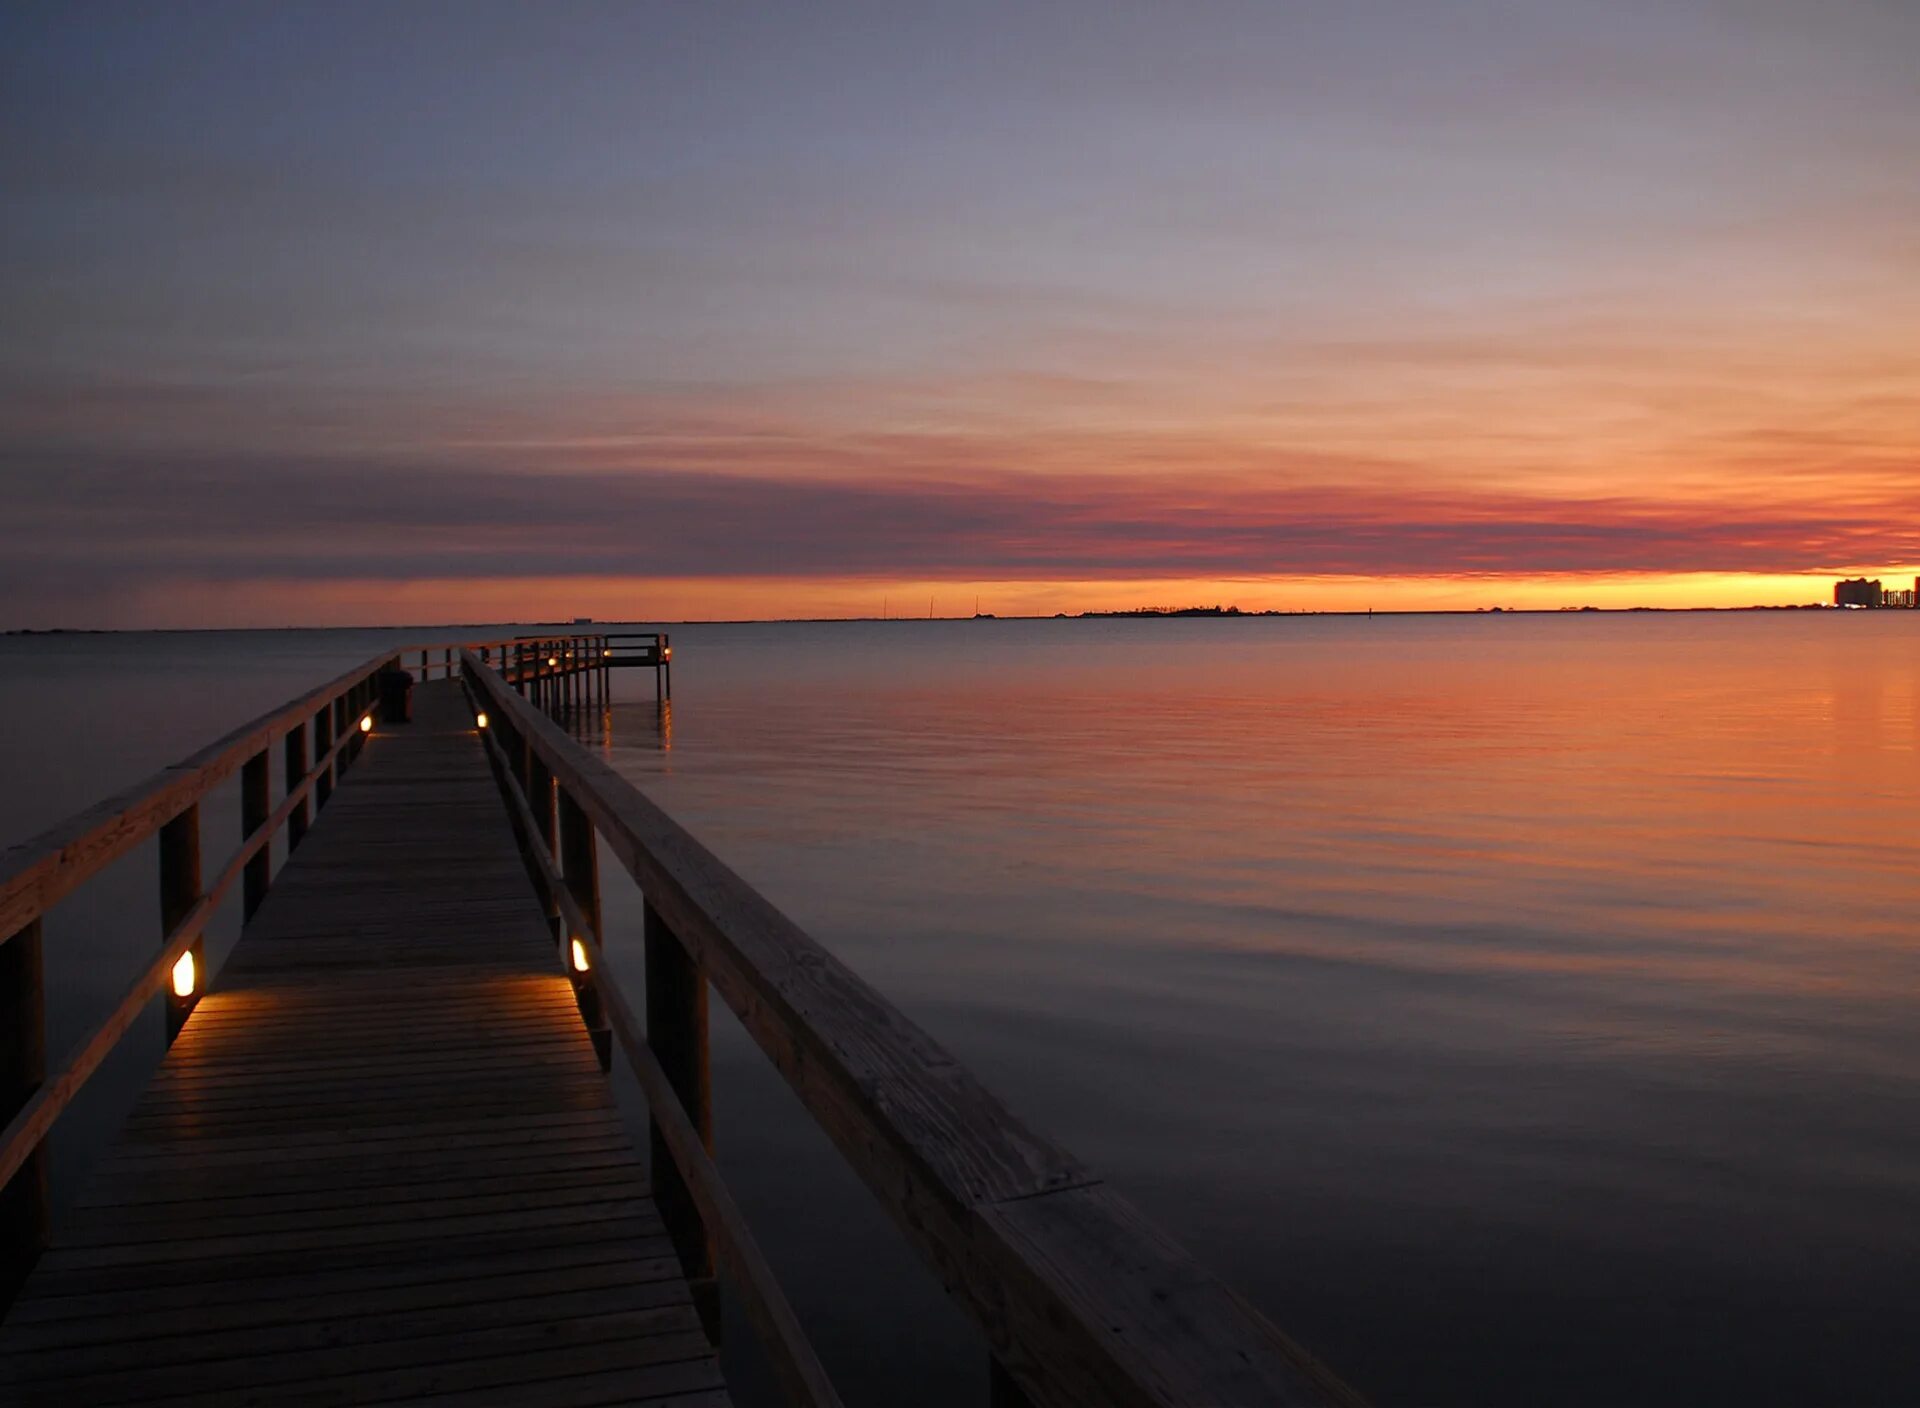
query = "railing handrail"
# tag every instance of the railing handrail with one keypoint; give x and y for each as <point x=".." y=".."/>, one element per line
<point x="35" y="874"/>
<point x="1080" y="1297"/>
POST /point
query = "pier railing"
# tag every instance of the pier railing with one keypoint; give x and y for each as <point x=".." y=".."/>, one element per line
<point x="1081" y="1299"/>
<point x="318" y="735"/>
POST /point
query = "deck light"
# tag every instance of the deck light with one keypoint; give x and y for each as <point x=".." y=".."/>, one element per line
<point x="667" y="654"/>
<point x="552" y="660"/>
<point x="366" y="723"/>
<point x="581" y="962"/>
<point x="605" y="654"/>
<point x="183" y="975"/>
<point x="480" y="719"/>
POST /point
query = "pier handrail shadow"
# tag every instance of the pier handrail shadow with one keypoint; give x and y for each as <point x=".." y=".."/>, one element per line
<point x="1082" y="1300"/>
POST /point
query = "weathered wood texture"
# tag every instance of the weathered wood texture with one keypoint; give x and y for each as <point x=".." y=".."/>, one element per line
<point x="380" y="1162"/>
<point x="1081" y="1299"/>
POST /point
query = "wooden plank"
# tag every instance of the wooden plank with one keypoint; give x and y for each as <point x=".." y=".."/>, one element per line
<point x="468" y="1265"/>
<point x="380" y="1160"/>
<point x="644" y="1282"/>
<point x="189" y="1343"/>
<point x="367" y="1371"/>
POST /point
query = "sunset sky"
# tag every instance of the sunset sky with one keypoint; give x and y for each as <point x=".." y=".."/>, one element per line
<point x="418" y="313"/>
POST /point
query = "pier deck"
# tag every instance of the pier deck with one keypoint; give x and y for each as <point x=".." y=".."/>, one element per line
<point x="380" y="1163"/>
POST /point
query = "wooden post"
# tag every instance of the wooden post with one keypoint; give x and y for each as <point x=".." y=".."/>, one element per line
<point x="23" y="1066"/>
<point x="342" y="723"/>
<point x="580" y="866"/>
<point x="540" y="802"/>
<point x="296" y="771"/>
<point x="677" y="1032"/>
<point x="518" y="756"/>
<point x="322" y="741"/>
<point x="179" y="893"/>
<point x="256" y="805"/>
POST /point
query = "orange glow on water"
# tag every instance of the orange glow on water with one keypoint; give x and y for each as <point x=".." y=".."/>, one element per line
<point x="784" y="598"/>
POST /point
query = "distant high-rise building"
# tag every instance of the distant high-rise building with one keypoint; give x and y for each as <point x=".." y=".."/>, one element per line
<point x="1857" y="591"/>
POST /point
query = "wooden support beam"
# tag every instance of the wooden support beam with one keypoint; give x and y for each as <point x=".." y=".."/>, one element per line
<point x="179" y="893"/>
<point x="540" y="803"/>
<point x="256" y="805"/>
<point x="579" y="861"/>
<point x="294" y="774"/>
<point x="23" y="1066"/>
<point x="342" y="726"/>
<point x="677" y="1032"/>
<point x="323" y="750"/>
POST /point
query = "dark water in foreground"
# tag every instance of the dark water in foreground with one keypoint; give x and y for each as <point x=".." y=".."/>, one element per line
<point x="1518" y="1009"/>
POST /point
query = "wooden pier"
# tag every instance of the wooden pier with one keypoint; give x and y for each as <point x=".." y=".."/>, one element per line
<point x="380" y="1163"/>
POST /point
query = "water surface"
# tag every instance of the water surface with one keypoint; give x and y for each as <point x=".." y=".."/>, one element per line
<point x="1518" y="1009"/>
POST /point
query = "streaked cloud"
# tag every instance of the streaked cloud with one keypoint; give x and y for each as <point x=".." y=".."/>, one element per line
<point x="365" y="299"/>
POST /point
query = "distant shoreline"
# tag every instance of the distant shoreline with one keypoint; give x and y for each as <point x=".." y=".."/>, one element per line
<point x="1143" y="614"/>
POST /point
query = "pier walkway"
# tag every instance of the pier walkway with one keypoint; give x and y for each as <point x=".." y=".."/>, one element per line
<point x="380" y="1162"/>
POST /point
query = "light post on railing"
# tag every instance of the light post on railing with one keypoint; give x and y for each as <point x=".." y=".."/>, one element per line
<point x="179" y="893"/>
<point x="580" y="868"/>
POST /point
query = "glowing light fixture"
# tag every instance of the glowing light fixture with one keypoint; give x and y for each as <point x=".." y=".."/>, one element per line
<point x="581" y="961"/>
<point x="480" y="719"/>
<point x="552" y="660"/>
<point x="184" y="975"/>
<point x="667" y="654"/>
<point x="366" y="723"/>
<point x="605" y="654"/>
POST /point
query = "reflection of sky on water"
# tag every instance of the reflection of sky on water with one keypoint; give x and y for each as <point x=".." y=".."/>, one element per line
<point x="1478" y="995"/>
<point x="1482" y="996"/>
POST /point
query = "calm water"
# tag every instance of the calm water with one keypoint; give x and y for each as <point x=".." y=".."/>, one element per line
<point x="1519" y="1009"/>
